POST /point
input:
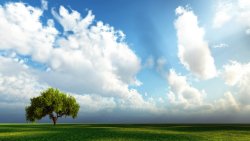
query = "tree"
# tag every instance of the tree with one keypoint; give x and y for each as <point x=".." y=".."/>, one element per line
<point x="54" y="103"/>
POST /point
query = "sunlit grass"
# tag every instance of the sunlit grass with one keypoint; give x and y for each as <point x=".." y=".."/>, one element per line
<point x="116" y="132"/>
<point x="24" y="133"/>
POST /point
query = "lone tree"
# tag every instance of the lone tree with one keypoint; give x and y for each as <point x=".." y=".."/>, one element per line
<point x="54" y="103"/>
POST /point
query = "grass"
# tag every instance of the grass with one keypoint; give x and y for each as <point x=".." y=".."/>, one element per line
<point x="124" y="132"/>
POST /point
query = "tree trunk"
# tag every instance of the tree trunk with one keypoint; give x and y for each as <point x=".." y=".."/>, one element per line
<point x="54" y="119"/>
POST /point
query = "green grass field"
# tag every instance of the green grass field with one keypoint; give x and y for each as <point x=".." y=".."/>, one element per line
<point x="120" y="132"/>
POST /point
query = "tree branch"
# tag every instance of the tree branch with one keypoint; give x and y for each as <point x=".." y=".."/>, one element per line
<point x="60" y="115"/>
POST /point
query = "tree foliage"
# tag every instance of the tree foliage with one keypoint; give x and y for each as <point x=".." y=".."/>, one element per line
<point x="54" y="103"/>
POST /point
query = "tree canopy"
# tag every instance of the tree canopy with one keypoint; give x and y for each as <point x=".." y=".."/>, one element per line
<point x="54" y="103"/>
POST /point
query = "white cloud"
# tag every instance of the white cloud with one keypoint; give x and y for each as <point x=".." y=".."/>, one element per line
<point x="238" y="74"/>
<point x="193" y="50"/>
<point x="101" y="56"/>
<point x="90" y="59"/>
<point x="221" y="45"/>
<point x="72" y="21"/>
<point x="95" y="103"/>
<point x="234" y="72"/>
<point x="243" y="13"/>
<point x="160" y="63"/>
<point x="182" y="93"/>
<point x="184" y="97"/>
<point x="227" y="103"/>
<point x="244" y="4"/>
<point x="17" y="84"/>
<point x="134" y="102"/>
<point x="95" y="54"/>
<point x="228" y="9"/>
<point x="223" y="14"/>
<point x="44" y="4"/>
<point x="16" y="33"/>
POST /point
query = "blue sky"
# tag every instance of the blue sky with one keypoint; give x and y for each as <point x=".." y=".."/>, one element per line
<point x="128" y="61"/>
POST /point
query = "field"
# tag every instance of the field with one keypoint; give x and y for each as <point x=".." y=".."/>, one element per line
<point x="124" y="132"/>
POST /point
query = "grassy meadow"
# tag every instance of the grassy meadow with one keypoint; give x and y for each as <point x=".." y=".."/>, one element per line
<point x="124" y="132"/>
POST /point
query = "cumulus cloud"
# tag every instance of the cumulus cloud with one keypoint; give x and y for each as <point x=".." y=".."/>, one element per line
<point x="17" y="84"/>
<point x="228" y="103"/>
<point x="72" y="21"/>
<point x="238" y="75"/>
<point x="182" y="93"/>
<point x="184" y="97"/>
<point x="229" y="9"/>
<point x="234" y="72"/>
<point x="243" y="12"/>
<point x="94" y="53"/>
<point x="16" y="33"/>
<point x="95" y="103"/>
<point x="89" y="59"/>
<point x="223" y="14"/>
<point x="193" y="50"/>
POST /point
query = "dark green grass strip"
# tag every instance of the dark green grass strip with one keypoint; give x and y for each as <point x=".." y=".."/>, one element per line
<point x="124" y="132"/>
